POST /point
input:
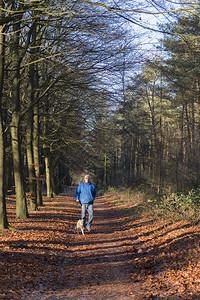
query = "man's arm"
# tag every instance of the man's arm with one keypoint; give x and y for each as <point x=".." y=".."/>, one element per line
<point x="94" y="192"/>
<point x="78" y="192"/>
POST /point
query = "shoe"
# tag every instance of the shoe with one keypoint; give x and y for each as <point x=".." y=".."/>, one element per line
<point x="88" y="228"/>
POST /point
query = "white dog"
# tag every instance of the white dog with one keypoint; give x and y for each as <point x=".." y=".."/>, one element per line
<point x="79" y="225"/>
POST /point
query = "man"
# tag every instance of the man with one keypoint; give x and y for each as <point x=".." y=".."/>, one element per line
<point x="85" y="195"/>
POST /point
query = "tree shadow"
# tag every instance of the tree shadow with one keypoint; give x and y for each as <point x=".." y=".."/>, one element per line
<point x="103" y="257"/>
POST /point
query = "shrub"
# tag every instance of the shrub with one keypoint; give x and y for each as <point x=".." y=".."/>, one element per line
<point x="178" y="206"/>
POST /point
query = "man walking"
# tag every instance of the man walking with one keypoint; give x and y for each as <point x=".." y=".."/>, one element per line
<point x="85" y="195"/>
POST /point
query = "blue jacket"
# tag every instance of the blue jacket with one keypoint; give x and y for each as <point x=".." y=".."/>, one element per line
<point x="86" y="193"/>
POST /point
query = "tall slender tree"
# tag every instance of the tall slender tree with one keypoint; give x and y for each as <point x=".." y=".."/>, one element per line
<point x="21" y="203"/>
<point x="3" y="215"/>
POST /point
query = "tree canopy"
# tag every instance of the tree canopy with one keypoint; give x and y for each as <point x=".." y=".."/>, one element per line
<point x="82" y="91"/>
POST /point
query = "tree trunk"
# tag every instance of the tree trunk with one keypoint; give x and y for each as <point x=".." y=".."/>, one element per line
<point x="3" y="215"/>
<point x="36" y="128"/>
<point x="160" y="142"/>
<point x="188" y="128"/>
<point x="46" y="149"/>
<point x="105" y="171"/>
<point x="137" y="160"/>
<point x="29" y="136"/>
<point x="194" y="160"/>
<point x="31" y="169"/>
<point x="21" y="205"/>
<point x="182" y="135"/>
<point x="36" y="154"/>
<point x="48" y="172"/>
<point x="131" y="162"/>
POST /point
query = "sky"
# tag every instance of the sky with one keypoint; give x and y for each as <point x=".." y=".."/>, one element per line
<point x="145" y="17"/>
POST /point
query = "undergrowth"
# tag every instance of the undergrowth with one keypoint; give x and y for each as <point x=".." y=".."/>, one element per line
<point x="178" y="206"/>
<point x="174" y="206"/>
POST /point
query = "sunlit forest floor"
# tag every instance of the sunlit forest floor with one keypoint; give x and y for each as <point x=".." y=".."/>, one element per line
<point x="125" y="256"/>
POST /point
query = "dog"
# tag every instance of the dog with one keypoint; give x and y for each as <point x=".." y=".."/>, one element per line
<point x="79" y="225"/>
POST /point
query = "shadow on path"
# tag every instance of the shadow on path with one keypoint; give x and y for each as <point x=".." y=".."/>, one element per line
<point x="116" y="260"/>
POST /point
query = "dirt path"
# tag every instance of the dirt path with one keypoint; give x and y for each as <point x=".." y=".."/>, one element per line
<point x="121" y="258"/>
<point x="44" y="259"/>
<point x="100" y="259"/>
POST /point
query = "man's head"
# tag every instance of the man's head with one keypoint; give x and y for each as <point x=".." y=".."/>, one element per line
<point x="87" y="178"/>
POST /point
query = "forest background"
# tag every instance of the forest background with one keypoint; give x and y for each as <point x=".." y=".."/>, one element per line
<point x="82" y="89"/>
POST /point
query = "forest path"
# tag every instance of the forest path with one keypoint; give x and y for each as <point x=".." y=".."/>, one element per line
<point x="100" y="259"/>
<point x="123" y="257"/>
